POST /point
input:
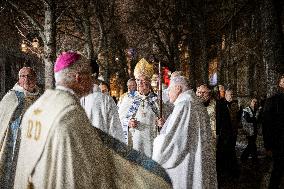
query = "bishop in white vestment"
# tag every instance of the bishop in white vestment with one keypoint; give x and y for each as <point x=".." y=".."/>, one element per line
<point x="141" y="120"/>
<point x="184" y="146"/>
<point x="143" y="112"/>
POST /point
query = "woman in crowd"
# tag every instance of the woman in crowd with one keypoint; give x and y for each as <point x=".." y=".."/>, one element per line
<point x="249" y="119"/>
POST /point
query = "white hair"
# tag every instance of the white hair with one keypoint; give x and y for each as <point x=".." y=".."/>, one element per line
<point x="180" y="81"/>
<point x="26" y="68"/>
<point x="67" y="75"/>
<point x="129" y="80"/>
<point x="176" y="74"/>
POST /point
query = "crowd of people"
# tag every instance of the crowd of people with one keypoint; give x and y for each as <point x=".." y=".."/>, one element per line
<point x="227" y="118"/>
<point x="77" y="136"/>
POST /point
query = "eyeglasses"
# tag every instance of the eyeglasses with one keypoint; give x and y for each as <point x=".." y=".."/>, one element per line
<point x="27" y="76"/>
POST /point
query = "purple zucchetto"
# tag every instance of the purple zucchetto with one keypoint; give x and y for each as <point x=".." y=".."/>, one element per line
<point x="65" y="60"/>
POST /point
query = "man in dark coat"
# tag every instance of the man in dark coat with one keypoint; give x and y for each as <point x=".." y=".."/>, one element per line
<point x="226" y="130"/>
<point x="273" y="125"/>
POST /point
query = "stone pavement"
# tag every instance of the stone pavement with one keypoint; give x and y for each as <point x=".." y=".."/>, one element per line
<point x="252" y="176"/>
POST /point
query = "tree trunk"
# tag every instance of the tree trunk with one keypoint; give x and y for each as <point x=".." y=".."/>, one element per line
<point x="220" y="66"/>
<point x="89" y="48"/>
<point x="192" y="63"/>
<point x="101" y="43"/>
<point x="271" y="38"/>
<point x="3" y="74"/>
<point x="204" y="78"/>
<point x="49" y="43"/>
<point x="199" y="64"/>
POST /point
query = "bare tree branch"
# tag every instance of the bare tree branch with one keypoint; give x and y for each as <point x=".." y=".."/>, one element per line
<point x="70" y="34"/>
<point x="33" y="21"/>
<point x="62" y="13"/>
<point x="20" y="32"/>
<point x="45" y="2"/>
<point x="101" y="33"/>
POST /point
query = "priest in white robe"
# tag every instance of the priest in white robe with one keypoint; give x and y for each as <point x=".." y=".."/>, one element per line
<point x="12" y="107"/>
<point x="125" y="101"/>
<point x="103" y="114"/>
<point x="131" y="91"/>
<point x="184" y="146"/>
<point x="60" y="149"/>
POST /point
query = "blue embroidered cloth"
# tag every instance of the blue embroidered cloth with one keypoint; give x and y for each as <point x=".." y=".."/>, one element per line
<point x="151" y="100"/>
<point x="11" y="154"/>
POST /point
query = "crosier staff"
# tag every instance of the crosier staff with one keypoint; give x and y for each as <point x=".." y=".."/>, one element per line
<point x="160" y="96"/>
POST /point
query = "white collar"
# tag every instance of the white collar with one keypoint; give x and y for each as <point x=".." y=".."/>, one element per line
<point x="60" y="87"/>
<point x="96" y="88"/>
<point x="17" y="87"/>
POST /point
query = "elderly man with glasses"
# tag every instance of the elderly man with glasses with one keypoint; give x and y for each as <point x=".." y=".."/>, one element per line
<point x="12" y="107"/>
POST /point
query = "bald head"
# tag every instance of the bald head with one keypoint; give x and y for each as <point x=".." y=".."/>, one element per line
<point x="27" y="79"/>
